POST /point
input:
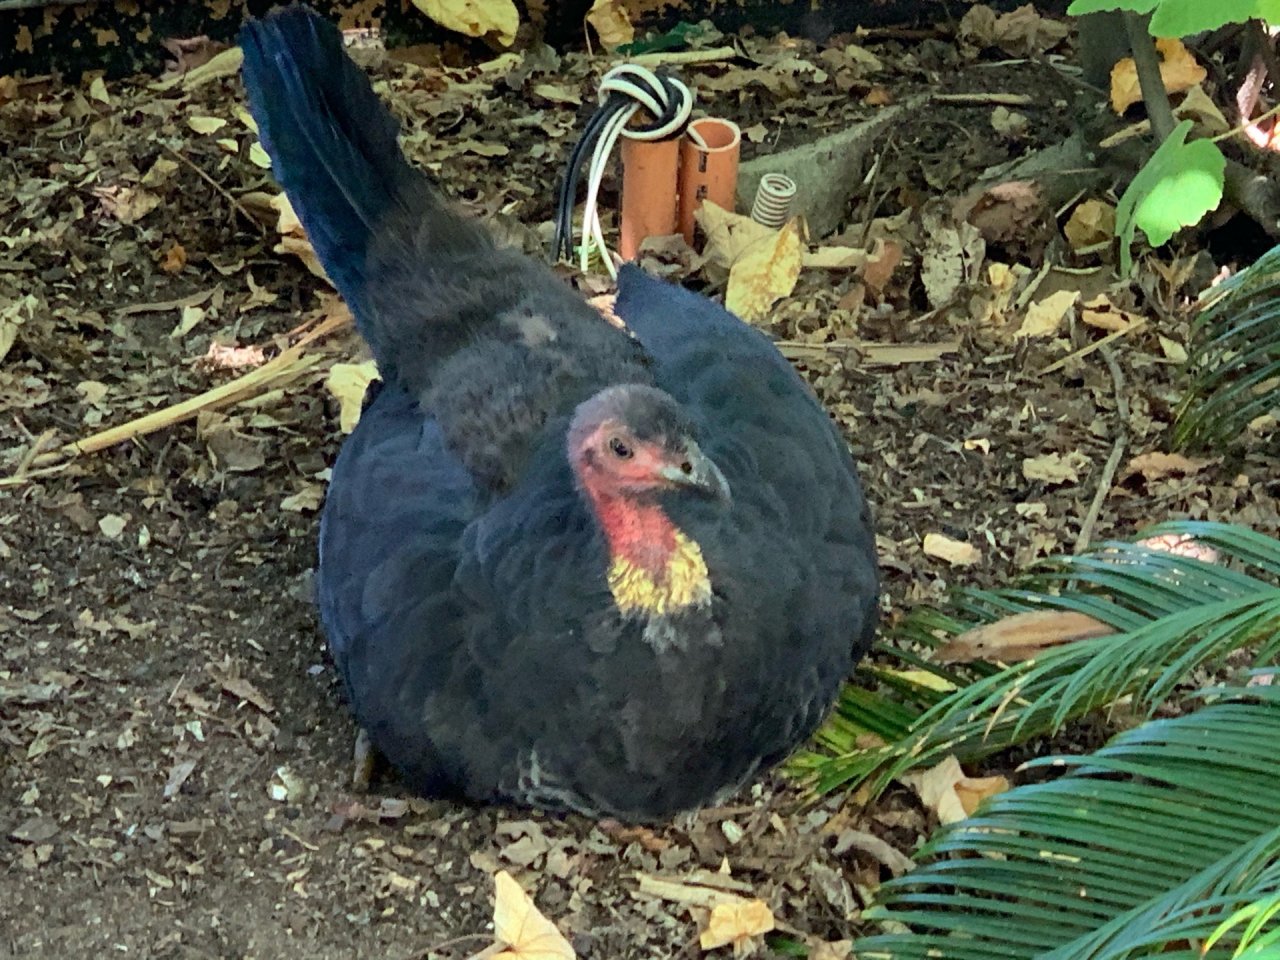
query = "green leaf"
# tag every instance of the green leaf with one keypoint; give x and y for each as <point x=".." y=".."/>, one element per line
<point x="1175" y="189"/>
<point x="1173" y="616"/>
<point x="1181" y="18"/>
<point x="682" y="35"/>
<point x="1234" y="364"/>
<point x="1164" y="836"/>
<point x="1078" y="8"/>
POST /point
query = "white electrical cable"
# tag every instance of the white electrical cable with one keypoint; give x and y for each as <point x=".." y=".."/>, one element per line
<point x="640" y="85"/>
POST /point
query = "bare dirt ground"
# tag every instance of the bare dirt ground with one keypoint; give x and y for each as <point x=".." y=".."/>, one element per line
<point x="174" y="752"/>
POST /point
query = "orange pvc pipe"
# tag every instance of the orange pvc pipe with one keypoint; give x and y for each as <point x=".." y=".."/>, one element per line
<point x="708" y="173"/>
<point x="649" y="172"/>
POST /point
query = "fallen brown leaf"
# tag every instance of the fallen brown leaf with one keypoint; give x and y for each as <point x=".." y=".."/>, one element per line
<point x="474" y="18"/>
<point x="1178" y="70"/>
<point x="958" y="553"/>
<point x="949" y="793"/>
<point x="525" y="932"/>
<point x="765" y="273"/>
<point x="1157" y="466"/>
<point x="1091" y="222"/>
<point x="736" y="922"/>
<point x="611" y="23"/>
<point x="1055" y="467"/>
<point x="881" y="264"/>
<point x="1044" y="317"/>
<point x="1021" y="636"/>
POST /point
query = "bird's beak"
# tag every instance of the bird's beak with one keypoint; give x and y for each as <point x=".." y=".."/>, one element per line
<point x="702" y="475"/>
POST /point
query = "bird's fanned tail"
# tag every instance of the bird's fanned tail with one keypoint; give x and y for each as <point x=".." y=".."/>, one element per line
<point x="332" y="142"/>
<point x="334" y="150"/>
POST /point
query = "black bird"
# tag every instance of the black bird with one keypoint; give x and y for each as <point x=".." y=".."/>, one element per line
<point x="560" y="565"/>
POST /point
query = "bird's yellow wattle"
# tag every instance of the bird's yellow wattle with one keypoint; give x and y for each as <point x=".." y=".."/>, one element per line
<point x="682" y="583"/>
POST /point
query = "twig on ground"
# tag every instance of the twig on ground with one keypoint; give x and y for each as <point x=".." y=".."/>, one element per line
<point x="33" y="451"/>
<point x="1098" y="345"/>
<point x="978" y="98"/>
<point x="1117" y="451"/>
<point x="287" y="366"/>
<point x="683" y="57"/>
<point x="226" y="194"/>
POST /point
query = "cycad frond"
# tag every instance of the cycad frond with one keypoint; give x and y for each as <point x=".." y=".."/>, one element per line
<point x="1151" y="845"/>
<point x="1235" y="357"/>
<point x="1173" y="615"/>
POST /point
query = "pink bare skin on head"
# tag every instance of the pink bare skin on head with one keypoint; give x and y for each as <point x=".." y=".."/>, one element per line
<point x="625" y="445"/>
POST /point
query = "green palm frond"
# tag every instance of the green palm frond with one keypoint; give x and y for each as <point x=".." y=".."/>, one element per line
<point x="1235" y="357"/>
<point x="1260" y="936"/>
<point x="1162" y="839"/>
<point x="1172" y="615"/>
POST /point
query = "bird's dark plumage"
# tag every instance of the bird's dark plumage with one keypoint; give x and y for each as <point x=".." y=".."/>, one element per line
<point x="559" y="564"/>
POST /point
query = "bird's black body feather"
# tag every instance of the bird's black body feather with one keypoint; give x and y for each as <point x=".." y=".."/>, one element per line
<point x="463" y="573"/>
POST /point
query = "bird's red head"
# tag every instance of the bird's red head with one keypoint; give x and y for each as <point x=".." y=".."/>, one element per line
<point x="627" y="444"/>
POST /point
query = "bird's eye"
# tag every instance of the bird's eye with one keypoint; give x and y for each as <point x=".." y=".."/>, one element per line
<point x="620" y="449"/>
<point x="686" y="467"/>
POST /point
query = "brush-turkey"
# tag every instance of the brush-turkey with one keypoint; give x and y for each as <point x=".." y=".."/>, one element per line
<point x="561" y="564"/>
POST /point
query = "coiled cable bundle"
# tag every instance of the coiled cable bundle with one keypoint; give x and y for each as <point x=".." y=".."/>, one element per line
<point x="624" y="90"/>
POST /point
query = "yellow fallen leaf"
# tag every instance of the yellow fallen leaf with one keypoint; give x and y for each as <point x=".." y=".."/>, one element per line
<point x="525" y="932"/>
<point x="224" y="64"/>
<point x="306" y="500"/>
<point x="127" y="204"/>
<point x="293" y="239"/>
<point x="98" y="91"/>
<point x="1100" y="312"/>
<point x="245" y="117"/>
<point x="206" y="124"/>
<point x="950" y="794"/>
<point x="1055" y="467"/>
<point x="557" y="93"/>
<point x="301" y="248"/>
<point x="958" y="553"/>
<point x="1178" y="70"/>
<point x="836" y="258"/>
<point x="259" y="157"/>
<point x="503" y="63"/>
<point x="159" y="172"/>
<point x="475" y="18"/>
<point x="93" y="391"/>
<point x="1020" y="636"/>
<point x="729" y="234"/>
<point x="1045" y="316"/>
<point x="1091" y="223"/>
<point x="765" y="273"/>
<point x="1172" y="349"/>
<point x="1157" y="466"/>
<point x="924" y="678"/>
<point x="191" y="316"/>
<point x="736" y="922"/>
<point x="611" y="23"/>
<point x="1199" y="106"/>
<point x="13" y="314"/>
<point x="347" y="383"/>
<point x="992" y="303"/>
<point x="112" y="525"/>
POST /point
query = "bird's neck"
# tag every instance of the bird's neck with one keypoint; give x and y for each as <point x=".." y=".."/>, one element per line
<point x="654" y="567"/>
